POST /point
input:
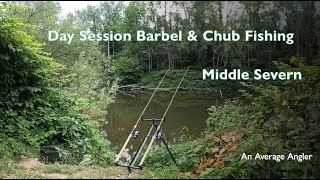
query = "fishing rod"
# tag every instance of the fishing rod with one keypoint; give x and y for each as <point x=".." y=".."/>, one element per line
<point x="163" y="118"/>
<point x="157" y="134"/>
<point x="140" y="118"/>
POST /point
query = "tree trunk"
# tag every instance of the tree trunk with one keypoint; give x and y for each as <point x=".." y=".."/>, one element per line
<point x="112" y="48"/>
<point x="298" y="43"/>
<point x="157" y="64"/>
<point x="226" y="62"/>
<point x="108" y="48"/>
<point x="150" y="59"/>
<point x="213" y="51"/>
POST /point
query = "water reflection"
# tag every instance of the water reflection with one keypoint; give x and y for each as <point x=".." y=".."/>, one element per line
<point x="188" y="114"/>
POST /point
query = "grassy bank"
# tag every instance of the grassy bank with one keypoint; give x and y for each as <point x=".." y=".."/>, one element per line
<point x="30" y="168"/>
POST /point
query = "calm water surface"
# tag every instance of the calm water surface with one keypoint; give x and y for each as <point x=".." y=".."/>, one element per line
<point x="187" y="115"/>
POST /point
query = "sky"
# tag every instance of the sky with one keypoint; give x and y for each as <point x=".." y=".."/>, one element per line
<point x="72" y="6"/>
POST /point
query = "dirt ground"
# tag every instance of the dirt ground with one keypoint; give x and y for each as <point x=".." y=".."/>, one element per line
<point x="32" y="168"/>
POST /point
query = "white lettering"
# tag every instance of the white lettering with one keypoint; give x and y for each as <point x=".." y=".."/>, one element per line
<point x="50" y="35"/>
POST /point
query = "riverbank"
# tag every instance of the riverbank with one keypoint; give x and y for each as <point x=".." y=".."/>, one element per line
<point x="139" y="87"/>
<point x="30" y="168"/>
<point x="192" y="82"/>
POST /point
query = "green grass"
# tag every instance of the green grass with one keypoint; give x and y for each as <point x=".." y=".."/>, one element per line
<point x="8" y="167"/>
<point x="14" y="169"/>
<point x="169" y="172"/>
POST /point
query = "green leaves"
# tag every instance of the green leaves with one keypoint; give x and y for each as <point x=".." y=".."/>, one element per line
<point x="275" y="119"/>
<point x="64" y="132"/>
<point x="33" y="110"/>
<point x="5" y="56"/>
<point x="4" y="4"/>
<point x="128" y="70"/>
<point x="10" y="46"/>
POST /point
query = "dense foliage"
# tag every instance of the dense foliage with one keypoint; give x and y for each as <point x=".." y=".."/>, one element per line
<point x="33" y="110"/>
<point x="275" y="119"/>
<point x="300" y="18"/>
<point x="193" y="79"/>
<point x="127" y="70"/>
<point x="59" y="97"/>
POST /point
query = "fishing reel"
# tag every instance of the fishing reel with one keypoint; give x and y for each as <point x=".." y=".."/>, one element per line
<point x="159" y="135"/>
<point x="134" y="134"/>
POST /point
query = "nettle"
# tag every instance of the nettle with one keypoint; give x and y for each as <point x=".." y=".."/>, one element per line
<point x="33" y="111"/>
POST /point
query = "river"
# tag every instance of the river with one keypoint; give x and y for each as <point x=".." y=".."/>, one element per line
<point x="187" y="115"/>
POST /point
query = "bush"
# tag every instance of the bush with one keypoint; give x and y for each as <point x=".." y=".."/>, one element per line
<point x="277" y="119"/>
<point x="128" y="70"/>
<point x="33" y="111"/>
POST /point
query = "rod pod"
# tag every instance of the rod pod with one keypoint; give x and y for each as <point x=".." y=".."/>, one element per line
<point x="131" y="166"/>
<point x="140" y="117"/>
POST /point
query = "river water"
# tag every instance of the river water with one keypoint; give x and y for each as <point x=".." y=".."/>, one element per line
<point x="187" y="115"/>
